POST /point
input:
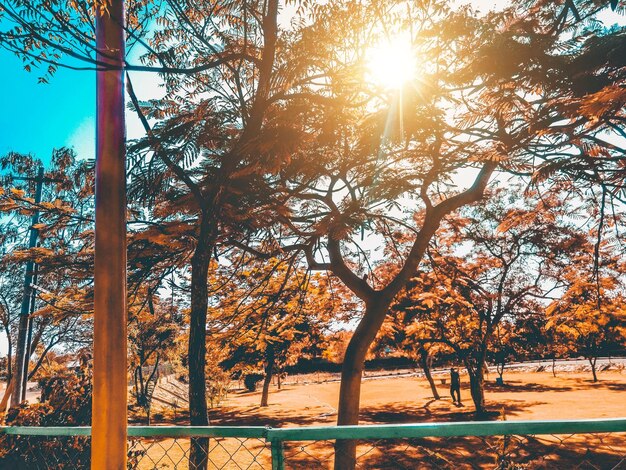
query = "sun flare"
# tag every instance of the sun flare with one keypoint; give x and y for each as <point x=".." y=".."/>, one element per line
<point x="391" y="63"/>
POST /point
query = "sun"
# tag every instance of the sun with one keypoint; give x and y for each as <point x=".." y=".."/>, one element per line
<point x="391" y="63"/>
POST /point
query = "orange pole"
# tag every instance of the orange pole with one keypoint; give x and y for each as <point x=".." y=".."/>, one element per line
<point x="109" y="421"/>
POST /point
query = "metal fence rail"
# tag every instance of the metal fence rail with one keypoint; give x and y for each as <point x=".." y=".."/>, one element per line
<point x="593" y="444"/>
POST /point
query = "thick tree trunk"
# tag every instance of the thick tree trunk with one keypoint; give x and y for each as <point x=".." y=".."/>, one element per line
<point x="349" y="403"/>
<point x="424" y="360"/>
<point x="269" y="368"/>
<point x="198" y="411"/>
<point x="351" y="374"/>
<point x="377" y="306"/>
<point x="477" y="381"/>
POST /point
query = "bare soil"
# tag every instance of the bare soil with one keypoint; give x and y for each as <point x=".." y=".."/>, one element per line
<point x="524" y="396"/>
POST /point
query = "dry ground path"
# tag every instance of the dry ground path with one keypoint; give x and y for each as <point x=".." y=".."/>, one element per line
<point x="402" y="399"/>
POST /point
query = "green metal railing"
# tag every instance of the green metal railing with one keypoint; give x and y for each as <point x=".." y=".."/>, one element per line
<point x="505" y="444"/>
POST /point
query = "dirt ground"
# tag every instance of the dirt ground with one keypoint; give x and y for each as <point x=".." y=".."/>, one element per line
<point x="524" y="396"/>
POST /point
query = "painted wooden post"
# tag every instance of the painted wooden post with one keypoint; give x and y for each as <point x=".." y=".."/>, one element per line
<point x="109" y="422"/>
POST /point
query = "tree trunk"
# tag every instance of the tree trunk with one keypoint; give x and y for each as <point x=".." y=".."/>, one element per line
<point x="592" y="362"/>
<point x="377" y="307"/>
<point x="9" y="354"/>
<point x="351" y="374"/>
<point x="269" y="368"/>
<point x="21" y="348"/>
<point x="425" y="364"/>
<point x="198" y="411"/>
<point x="7" y="394"/>
<point x="477" y="379"/>
<point x="43" y="355"/>
<point x="278" y="379"/>
<point x="500" y="370"/>
<point x="500" y="362"/>
<point x="554" y="367"/>
<point x="137" y="386"/>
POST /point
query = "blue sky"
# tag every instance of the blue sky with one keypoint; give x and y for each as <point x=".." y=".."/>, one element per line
<point x="35" y="118"/>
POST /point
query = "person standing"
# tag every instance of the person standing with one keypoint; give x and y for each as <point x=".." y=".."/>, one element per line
<point x="455" y="386"/>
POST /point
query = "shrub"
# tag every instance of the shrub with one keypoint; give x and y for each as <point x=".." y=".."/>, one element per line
<point x="65" y="401"/>
<point x="250" y="381"/>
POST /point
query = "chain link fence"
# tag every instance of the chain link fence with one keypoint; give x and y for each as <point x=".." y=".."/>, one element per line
<point x="501" y="445"/>
<point x="223" y="453"/>
<point x="25" y="452"/>
<point x="579" y="451"/>
<point x="167" y="447"/>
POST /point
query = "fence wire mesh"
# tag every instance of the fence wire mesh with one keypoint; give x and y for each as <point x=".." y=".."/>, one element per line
<point x="511" y="452"/>
<point x="73" y="452"/>
<point x="516" y="452"/>
<point x="223" y="453"/>
<point x="22" y="452"/>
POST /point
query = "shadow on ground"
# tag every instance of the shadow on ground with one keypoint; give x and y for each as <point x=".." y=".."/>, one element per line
<point x="272" y="416"/>
<point x="510" y="452"/>
<point x="441" y="410"/>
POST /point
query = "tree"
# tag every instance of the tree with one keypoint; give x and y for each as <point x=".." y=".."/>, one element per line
<point x="60" y="292"/>
<point x="354" y="181"/>
<point x="503" y="347"/>
<point x="215" y="149"/>
<point x="510" y="113"/>
<point x="414" y="338"/>
<point x="269" y="315"/>
<point x="152" y="332"/>
<point x="226" y="57"/>
<point x="589" y="319"/>
<point x="10" y="293"/>
<point x="65" y="401"/>
<point x="532" y="340"/>
<point x="362" y="169"/>
<point x="513" y="251"/>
